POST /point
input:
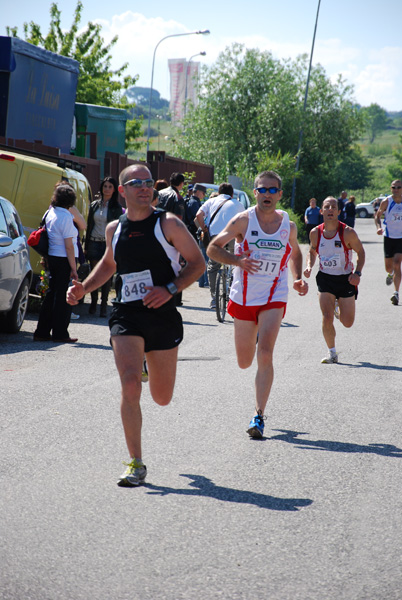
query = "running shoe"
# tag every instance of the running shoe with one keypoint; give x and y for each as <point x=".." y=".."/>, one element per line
<point x="389" y="278"/>
<point x="395" y="298"/>
<point x="74" y="317"/>
<point x="212" y="304"/>
<point x="336" y="310"/>
<point x="144" y="374"/>
<point x="134" y="474"/>
<point x="256" y="426"/>
<point x="330" y="359"/>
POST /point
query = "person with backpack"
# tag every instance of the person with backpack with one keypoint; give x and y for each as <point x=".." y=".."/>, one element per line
<point x="212" y="218"/>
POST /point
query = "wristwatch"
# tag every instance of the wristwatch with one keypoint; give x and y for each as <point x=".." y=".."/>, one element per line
<point x="171" y="288"/>
<point x="359" y="273"/>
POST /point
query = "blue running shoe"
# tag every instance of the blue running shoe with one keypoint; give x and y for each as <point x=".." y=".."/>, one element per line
<point x="256" y="426"/>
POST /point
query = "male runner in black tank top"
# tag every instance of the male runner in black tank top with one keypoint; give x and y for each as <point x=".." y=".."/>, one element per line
<point x="143" y="247"/>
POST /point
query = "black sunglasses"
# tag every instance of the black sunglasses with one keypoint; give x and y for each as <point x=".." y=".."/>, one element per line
<point x="396" y="187"/>
<point x="271" y="190"/>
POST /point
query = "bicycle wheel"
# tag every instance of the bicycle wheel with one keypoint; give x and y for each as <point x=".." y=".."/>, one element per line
<point x="220" y="296"/>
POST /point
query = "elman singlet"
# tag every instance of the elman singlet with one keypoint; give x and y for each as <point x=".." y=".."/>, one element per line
<point x="270" y="283"/>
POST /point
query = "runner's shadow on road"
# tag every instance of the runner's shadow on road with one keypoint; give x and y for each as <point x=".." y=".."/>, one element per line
<point x="368" y="365"/>
<point x="202" y="486"/>
<point x="291" y="437"/>
<point x="200" y="324"/>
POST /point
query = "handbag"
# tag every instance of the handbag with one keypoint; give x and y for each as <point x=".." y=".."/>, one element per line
<point x="39" y="239"/>
<point x="205" y="238"/>
<point x="83" y="271"/>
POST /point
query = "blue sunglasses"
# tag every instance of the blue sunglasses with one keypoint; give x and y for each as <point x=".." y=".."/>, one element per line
<point x="271" y="190"/>
<point x="137" y="183"/>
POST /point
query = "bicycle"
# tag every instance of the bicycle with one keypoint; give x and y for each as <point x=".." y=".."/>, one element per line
<point x="223" y="282"/>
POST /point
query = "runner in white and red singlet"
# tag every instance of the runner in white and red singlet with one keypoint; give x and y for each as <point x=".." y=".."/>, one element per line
<point x="333" y="242"/>
<point x="266" y="243"/>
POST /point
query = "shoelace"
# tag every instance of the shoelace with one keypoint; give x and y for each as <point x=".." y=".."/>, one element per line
<point x="133" y="465"/>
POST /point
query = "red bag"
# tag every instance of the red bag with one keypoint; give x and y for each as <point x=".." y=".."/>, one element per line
<point x="39" y="239"/>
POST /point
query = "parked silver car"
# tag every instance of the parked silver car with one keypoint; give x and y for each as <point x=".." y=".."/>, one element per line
<point x="15" y="269"/>
<point x="238" y="194"/>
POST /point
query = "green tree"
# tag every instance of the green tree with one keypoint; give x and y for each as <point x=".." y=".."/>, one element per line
<point x="395" y="169"/>
<point x="97" y="83"/>
<point x="354" y="170"/>
<point x="251" y="103"/>
<point x="376" y="120"/>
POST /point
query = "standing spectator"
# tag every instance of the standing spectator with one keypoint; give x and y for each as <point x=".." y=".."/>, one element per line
<point x="391" y="208"/>
<point x="213" y="216"/>
<point x="55" y="313"/>
<point x="349" y="211"/>
<point x="143" y="248"/>
<point x="170" y="198"/>
<point x="341" y="204"/>
<point x="102" y="211"/>
<point x="203" y="280"/>
<point x="311" y="216"/>
<point x="160" y="184"/>
<point x="192" y="206"/>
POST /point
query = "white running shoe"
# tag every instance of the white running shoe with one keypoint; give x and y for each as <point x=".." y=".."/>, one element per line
<point x="134" y="475"/>
<point x="330" y="359"/>
<point x="389" y="278"/>
<point x="395" y="298"/>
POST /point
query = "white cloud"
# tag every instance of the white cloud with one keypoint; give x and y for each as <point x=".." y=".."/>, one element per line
<point x="376" y="73"/>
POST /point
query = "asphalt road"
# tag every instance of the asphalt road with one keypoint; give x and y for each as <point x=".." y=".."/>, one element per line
<point x="311" y="512"/>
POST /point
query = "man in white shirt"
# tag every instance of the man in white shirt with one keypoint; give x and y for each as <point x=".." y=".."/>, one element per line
<point x="213" y="216"/>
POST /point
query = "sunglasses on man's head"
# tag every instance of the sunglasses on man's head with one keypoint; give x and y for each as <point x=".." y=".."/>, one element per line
<point x="396" y="187"/>
<point x="137" y="183"/>
<point x="271" y="190"/>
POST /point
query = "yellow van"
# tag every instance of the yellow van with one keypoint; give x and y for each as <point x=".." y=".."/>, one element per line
<point x="28" y="183"/>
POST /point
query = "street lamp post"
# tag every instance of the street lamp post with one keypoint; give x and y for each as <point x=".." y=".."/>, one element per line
<point x="204" y="32"/>
<point x="187" y="66"/>
<point x="292" y="201"/>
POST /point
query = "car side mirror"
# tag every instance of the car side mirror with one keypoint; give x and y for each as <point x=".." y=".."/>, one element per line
<point x="5" y="241"/>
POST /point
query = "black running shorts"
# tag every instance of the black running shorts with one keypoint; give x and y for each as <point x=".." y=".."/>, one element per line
<point x="392" y="246"/>
<point x="161" y="330"/>
<point x="338" y="285"/>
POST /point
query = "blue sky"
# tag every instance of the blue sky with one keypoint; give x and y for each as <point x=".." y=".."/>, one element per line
<point x="360" y="40"/>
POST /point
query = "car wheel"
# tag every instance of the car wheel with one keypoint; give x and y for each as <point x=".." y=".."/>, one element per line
<point x="362" y="213"/>
<point x="12" y="321"/>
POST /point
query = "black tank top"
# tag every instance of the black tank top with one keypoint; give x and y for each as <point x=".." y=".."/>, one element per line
<point x="141" y="245"/>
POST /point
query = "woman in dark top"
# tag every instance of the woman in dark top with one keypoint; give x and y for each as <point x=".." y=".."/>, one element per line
<point x="104" y="209"/>
<point x="349" y="211"/>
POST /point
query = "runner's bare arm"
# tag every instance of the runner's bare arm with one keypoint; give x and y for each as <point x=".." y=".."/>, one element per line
<point x="352" y="241"/>
<point x="235" y="229"/>
<point x="312" y="253"/>
<point x="176" y="233"/>
<point x="380" y="212"/>
<point x="103" y="271"/>
<point x="296" y="262"/>
<point x="199" y="220"/>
